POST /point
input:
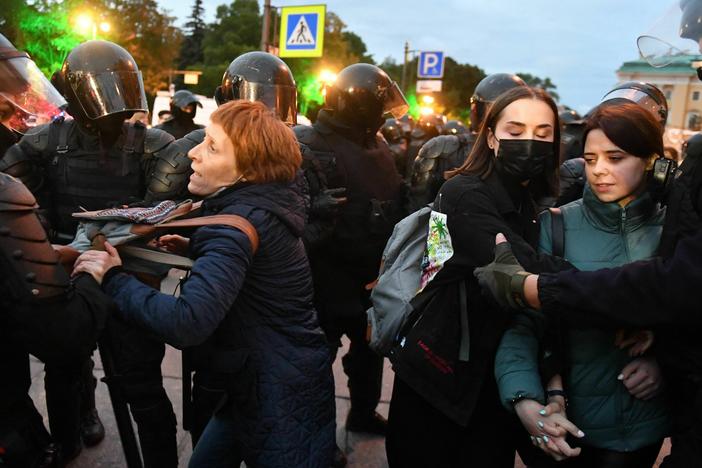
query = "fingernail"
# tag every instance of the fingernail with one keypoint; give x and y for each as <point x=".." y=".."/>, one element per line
<point x="581" y="434"/>
<point x="546" y="439"/>
<point x="540" y="424"/>
<point x="620" y="377"/>
<point x="538" y="440"/>
<point x="542" y="412"/>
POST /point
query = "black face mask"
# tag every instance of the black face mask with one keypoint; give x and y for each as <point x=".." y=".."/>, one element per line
<point x="524" y="159"/>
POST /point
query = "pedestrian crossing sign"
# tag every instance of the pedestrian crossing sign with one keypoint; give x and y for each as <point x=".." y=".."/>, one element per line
<point x="302" y="31"/>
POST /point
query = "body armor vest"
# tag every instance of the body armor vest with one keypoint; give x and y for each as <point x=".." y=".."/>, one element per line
<point x="81" y="174"/>
<point x="30" y="268"/>
<point x="373" y="187"/>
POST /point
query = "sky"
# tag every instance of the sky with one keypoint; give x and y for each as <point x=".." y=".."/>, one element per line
<point x="579" y="44"/>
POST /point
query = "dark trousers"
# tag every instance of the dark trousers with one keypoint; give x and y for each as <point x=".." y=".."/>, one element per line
<point x="23" y="436"/>
<point x="420" y="435"/>
<point x="686" y="449"/>
<point x="363" y="367"/>
<point x="64" y="391"/>
<point x="137" y="357"/>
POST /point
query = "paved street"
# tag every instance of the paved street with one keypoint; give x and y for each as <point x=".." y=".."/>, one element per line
<point x="362" y="450"/>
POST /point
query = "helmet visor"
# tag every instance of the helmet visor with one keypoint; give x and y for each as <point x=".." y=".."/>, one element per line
<point x="280" y="98"/>
<point x="35" y="101"/>
<point x="640" y="98"/>
<point x="394" y="101"/>
<point x="678" y="32"/>
<point x="102" y="94"/>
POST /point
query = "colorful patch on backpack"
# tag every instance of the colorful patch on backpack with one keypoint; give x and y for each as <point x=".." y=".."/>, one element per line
<point x="438" y="250"/>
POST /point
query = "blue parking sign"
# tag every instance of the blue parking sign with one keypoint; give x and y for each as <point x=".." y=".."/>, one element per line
<point x="431" y="64"/>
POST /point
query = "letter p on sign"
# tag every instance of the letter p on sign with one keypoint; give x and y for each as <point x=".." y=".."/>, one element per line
<point x="431" y="65"/>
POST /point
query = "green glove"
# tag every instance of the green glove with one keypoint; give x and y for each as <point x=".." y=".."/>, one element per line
<point x="504" y="278"/>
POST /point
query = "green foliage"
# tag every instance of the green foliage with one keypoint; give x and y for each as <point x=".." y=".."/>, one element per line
<point x="544" y="83"/>
<point x="149" y="34"/>
<point x="236" y="30"/>
<point x="191" y="50"/>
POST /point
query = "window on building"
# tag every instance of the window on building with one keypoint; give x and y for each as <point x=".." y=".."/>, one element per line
<point x="668" y="94"/>
<point x="695" y="95"/>
<point x="694" y="121"/>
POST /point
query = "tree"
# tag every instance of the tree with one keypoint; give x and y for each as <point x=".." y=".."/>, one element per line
<point x="546" y="84"/>
<point x="236" y="30"/>
<point x="191" y="50"/>
<point x="149" y="34"/>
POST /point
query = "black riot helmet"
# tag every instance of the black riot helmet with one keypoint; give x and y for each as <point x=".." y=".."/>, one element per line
<point x="184" y="105"/>
<point x="392" y="131"/>
<point x="644" y="94"/>
<point x="101" y="79"/>
<point x="429" y="126"/>
<point x="692" y="148"/>
<point x="569" y="116"/>
<point x="454" y="127"/>
<point x="485" y="94"/>
<point x="407" y="123"/>
<point x="361" y="94"/>
<point x="260" y="76"/>
<point x="31" y="97"/>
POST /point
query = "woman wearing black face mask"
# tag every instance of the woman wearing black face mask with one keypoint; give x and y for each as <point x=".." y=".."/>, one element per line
<point x="513" y="162"/>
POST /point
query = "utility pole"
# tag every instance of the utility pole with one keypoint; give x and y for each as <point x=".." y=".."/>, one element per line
<point x="404" y="68"/>
<point x="266" y="25"/>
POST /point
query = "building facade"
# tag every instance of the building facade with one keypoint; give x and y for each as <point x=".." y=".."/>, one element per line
<point x="679" y="83"/>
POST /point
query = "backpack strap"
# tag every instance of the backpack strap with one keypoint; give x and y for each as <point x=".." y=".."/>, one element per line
<point x="557" y="232"/>
<point x="235" y="221"/>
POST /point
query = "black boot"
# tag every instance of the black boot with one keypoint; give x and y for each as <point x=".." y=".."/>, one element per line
<point x="366" y="421"/>
<point x="91" y="429"/>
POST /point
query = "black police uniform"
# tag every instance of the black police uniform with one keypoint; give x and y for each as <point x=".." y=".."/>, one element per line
<point x="181" y="123"/>
<point x="92" y="162"/>
<point x="349" y="257"/>
<point x="43" y="314"/>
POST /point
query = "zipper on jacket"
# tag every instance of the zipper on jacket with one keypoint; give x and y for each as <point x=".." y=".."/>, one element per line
<point x="625" y="240"/>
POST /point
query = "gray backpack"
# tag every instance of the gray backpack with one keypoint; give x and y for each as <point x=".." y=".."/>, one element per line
<point x="398" y="280"/>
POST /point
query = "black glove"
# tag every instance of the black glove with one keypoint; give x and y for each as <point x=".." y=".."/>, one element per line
<point x="328" y="202"/>
<point x="504" y="278"/>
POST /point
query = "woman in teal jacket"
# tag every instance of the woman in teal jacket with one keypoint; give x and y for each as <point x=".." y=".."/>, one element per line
<point x="616" y="222"/>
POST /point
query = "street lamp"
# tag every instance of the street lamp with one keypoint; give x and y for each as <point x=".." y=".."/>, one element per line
<point x="87" y="24"/>
<point x="327" y="78"/>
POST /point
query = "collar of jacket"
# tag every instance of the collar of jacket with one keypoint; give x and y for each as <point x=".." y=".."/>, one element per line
<point x="223" y="198"/>
<point x="611" y="217"/>
<point x="327" y="124"/>
<point x="508" y="198"/>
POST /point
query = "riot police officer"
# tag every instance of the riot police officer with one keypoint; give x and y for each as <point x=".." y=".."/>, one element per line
<point x="345" y="144"/>
<point x="42" y="312"/>
<point x="393" y="133"/>
<point x="92" y="161"/>
<point x="427" y="127"/>
<point x="449" y="151"/>
<point x="183" y="106"/>
<point x="454" y="127"/>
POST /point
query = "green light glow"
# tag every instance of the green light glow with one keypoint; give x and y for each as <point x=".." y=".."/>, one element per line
<point x="309" y="91"/>
<point x="413" y="104"/>
<point x="47" y="36"/>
